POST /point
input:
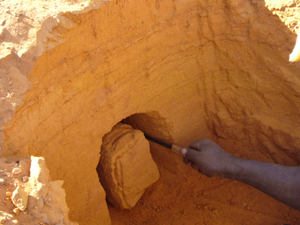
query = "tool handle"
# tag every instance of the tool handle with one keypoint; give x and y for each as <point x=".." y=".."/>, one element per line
<point x="176" y="149"/>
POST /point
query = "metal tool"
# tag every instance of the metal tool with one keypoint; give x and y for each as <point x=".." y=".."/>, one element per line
<point x="174" y="148"/>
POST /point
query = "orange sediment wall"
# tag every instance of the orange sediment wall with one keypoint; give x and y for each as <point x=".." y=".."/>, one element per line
<point x="185" y="70"/>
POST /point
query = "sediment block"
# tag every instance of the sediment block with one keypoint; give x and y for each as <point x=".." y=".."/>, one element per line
<point x="126" y="166"/>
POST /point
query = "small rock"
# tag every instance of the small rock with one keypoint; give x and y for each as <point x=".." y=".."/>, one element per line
<point x="8" y="194"/>
<point x="2" y="221"/>
<point x="2" y="33"/>
<point x="17" y="171"/>
<point x="205" y="207"/>
<point x="1" y="181"/>
<point x="20" y="198"/>
<point x="16" y="211"/>
<point x="185" y="213"/>
<point x="25" y="178"/>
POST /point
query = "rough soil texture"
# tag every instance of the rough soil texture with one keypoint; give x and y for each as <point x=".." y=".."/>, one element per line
<point x="42" y="201"/>
<point x="180" y="70"/>
<point x="126" y="168"/>
<point x="25" y="34"/>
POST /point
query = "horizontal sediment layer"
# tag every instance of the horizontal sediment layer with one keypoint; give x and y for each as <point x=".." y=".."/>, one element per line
<point x="192" y="69"/>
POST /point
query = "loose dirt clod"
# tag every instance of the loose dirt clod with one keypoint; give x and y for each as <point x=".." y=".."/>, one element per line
<point x="32" y="193"/>
<point x="16" y="211"/>
<point x="20" y="198"/>
<point x="126" y="167"/>
<point x="16" y="171"/>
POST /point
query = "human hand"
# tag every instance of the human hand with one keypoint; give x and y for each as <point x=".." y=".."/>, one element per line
<point x="208" y="158"/>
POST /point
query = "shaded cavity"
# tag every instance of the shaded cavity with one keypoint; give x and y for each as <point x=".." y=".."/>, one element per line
<point x="114" y="173"/>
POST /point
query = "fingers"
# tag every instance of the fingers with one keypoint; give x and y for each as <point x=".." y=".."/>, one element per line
<point x="190" y="156"/>
<point x="195" y="145"/>
<point x="201" y="172"/>
<point x="183" y="152"/>
<point x="186" y="161"/>
<point x="198" y="145"/>
<point x="194" y="166"/>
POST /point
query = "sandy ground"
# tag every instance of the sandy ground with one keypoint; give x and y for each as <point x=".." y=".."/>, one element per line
<point x="186" y="197"/>
<point x="23" y="32"/>
<point x="40" y="201"/>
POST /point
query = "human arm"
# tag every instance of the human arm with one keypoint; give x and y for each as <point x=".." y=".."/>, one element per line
<point x="279" y="181"/>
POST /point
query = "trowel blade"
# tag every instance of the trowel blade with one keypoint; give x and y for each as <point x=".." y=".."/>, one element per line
<point x="174" y="148"/>
<point x="158" y="141"/>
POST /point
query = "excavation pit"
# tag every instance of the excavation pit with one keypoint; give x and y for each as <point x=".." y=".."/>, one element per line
<point x="204" y="69"/>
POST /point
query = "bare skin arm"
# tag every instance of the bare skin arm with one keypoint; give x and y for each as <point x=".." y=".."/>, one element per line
<point x="280" y="182"/>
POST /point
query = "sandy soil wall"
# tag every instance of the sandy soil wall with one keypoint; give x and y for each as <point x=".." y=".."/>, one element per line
<point x="189" y="69"/>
